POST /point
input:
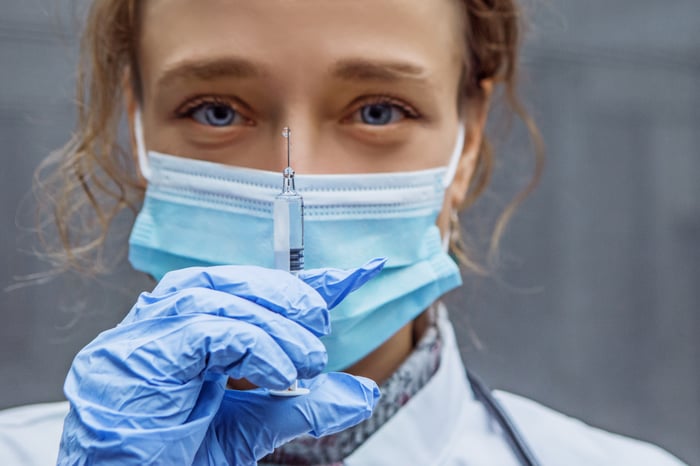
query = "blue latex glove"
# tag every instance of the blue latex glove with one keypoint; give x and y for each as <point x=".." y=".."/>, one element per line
<point x="152" y="390"/>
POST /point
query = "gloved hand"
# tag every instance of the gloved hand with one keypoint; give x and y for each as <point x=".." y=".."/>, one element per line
<point x="152" y="390"/>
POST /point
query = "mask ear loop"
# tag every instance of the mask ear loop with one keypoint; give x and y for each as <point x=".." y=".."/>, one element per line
<point x="455" y="157"/>
<point x="141" y="152"/>
<point x="450" y="174"/>
<point x="446" y="242"/>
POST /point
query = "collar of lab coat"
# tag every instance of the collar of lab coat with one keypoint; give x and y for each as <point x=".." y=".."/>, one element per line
<point x="435" y="424"/>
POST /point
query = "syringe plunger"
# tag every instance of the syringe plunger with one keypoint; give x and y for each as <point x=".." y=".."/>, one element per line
<point x="288" y="218"/>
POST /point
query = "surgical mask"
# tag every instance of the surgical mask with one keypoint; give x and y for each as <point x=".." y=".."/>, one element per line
<point x="198" y="213"/>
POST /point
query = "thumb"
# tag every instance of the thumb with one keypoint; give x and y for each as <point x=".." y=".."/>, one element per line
<point x="253" y="423"/>
<point x="335" y="284"/>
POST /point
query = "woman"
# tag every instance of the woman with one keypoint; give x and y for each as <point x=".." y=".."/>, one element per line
<point x="387" y="102"/>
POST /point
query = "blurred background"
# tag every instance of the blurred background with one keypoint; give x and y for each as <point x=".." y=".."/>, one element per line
<point x="593" y="309"/>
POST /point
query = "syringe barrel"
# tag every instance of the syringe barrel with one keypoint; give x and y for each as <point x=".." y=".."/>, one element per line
<point x="288" y="236"/>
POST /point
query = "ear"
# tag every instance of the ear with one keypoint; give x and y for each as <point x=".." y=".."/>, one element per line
<point x="131" y="105"/>
<point x="475" y="124"/>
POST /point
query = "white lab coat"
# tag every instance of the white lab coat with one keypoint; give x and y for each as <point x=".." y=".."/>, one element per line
<point x="441" y="425"/>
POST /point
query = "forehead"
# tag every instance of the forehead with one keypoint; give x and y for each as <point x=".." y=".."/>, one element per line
<point x="302" y="34"/>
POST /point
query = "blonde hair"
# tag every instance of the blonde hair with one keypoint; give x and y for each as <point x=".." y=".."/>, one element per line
<point x="85" y="185"/>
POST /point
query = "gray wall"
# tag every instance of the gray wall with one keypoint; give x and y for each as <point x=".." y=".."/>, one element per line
<point x="593" y="310"/>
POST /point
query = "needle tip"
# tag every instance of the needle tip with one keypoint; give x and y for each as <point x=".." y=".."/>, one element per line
<point x="287" y="133"/>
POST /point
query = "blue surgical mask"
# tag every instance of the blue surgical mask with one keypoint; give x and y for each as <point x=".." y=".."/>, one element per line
<point x="197" y="213"/>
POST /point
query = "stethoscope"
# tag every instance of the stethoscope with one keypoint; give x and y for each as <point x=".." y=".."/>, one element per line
<point x="514" y="438"/>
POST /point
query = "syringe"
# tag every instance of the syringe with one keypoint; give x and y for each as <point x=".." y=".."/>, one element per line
<point x="288" y="235"/>
<point x="288" y="218"/>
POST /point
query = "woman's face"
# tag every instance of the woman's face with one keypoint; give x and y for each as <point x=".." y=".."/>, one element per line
<point x="365" y="85"/>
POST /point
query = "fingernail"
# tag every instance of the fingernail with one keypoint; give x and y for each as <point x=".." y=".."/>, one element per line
<point x="371" y="390"/>
<point x="316" y="362"/>
<point x="374" y="266"/>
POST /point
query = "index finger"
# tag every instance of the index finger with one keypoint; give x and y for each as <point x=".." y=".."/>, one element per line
<point x="276" y="290"/>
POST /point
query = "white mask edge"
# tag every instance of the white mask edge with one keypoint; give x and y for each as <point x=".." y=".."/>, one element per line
<point x="455" y="157"/>
<point x="141" y="153"/>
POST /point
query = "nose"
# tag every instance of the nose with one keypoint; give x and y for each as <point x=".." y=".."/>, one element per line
<point x="299" y="139"/>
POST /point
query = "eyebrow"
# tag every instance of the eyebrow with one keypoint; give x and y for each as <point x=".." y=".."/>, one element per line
<point x="370" y="70"/>
<point x="212" y="69"/>
<point x="347" y="70"/>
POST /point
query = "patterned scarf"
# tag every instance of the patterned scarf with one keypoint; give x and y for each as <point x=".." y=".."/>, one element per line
<point x="398" y="389"/>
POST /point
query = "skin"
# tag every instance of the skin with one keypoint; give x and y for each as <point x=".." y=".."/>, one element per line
<point x="316" y="66"/>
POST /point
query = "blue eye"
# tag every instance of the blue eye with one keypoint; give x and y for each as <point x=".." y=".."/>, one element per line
<point x="380" y="114"/>
<point x="215" y="114"/>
